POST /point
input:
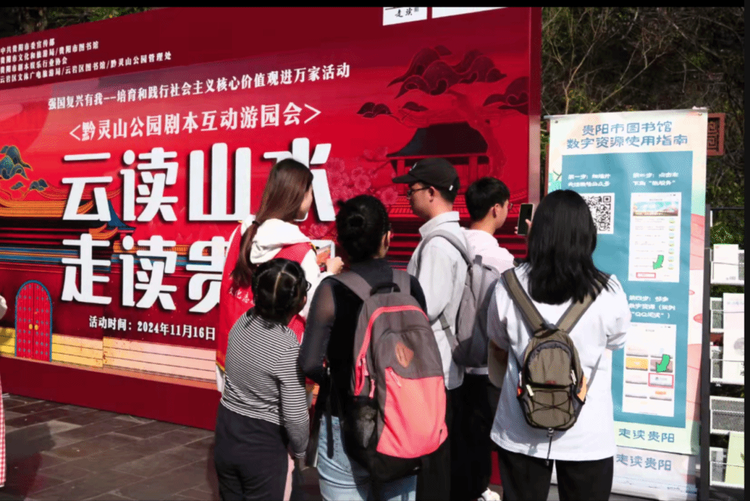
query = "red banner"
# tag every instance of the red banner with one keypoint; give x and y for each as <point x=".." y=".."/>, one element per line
<point x="132" y="147"/>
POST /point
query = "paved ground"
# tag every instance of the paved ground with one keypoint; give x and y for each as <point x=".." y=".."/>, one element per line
<point x="63" y="452"/>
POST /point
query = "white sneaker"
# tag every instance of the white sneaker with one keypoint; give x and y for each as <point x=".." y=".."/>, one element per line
<point x="490" y="495"/>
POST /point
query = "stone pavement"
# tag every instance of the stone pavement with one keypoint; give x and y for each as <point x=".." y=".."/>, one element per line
<point x="64" y="452"/>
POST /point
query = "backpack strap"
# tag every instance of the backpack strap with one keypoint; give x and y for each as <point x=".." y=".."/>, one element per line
<point x="573" y="314"/>
<point x="461" y="248"/>
<point x="531" y="314"/>
<point x="403" y="280"/>
<point x="519" y="296"/>
<point x="363" y="290"/>
<point x="355" y="283"/>
<point x="450" y="237"/>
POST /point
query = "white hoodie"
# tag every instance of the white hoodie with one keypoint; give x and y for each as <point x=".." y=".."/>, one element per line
<point x="269" y="239"/>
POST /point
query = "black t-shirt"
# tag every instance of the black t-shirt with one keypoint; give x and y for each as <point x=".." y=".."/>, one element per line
<point x="329" y="331"/>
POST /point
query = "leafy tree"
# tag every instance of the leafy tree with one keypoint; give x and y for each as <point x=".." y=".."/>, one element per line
<point x="657" y="58"/>
<point x="21" y="20"/>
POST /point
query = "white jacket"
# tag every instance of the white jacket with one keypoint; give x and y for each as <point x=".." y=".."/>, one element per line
<point x="442" y="274"/>
<point x="269" y="239"/>
<point x="482" y="243"/>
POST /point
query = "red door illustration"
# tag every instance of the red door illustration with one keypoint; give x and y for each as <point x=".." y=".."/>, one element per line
<point x="33" y="322"/>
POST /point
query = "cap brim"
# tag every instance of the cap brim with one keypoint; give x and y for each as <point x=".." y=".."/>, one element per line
<point x="406" y="178"/>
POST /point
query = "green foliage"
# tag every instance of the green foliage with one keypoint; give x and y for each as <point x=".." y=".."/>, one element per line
<point x="609" y="59"/>
<point x="65" y="16"/>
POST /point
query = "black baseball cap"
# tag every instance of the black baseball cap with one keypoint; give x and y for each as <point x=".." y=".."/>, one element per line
<point x="437" y="172"/>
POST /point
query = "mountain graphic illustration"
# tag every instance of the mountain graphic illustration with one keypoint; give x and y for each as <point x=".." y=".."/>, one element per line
<point x="12" y="164"/>
<point x="39" y="185"/>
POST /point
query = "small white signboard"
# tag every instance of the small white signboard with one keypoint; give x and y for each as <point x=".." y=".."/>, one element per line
<point x="398" y="15"/>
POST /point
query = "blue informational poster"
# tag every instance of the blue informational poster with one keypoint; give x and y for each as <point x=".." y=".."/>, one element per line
<point x="643" y="176"/>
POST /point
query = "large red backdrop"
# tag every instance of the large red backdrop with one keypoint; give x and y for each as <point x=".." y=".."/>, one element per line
<point x="131" y="147"/>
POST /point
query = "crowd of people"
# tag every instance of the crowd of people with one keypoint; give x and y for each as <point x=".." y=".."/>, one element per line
<point x="292" y="323"/>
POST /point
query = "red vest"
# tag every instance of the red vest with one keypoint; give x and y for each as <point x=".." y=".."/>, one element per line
<point x="235" y="301"/>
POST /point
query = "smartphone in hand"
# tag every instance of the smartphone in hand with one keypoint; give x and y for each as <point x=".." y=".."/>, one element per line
<point x="524" y="213"/>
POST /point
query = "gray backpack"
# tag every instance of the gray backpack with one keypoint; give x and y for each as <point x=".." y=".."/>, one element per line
<point x="552" y="387"/>
<point x="469" y="342"/>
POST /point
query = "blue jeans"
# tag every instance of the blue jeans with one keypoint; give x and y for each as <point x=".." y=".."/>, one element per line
<point x="343" y="479"/>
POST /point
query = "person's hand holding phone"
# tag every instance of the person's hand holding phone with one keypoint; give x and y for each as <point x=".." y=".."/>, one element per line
<point x="524" y="219"/>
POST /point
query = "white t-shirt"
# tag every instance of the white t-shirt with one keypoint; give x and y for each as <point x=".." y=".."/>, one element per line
<point x="482" y="243"/>
<point x="602" y="328"/>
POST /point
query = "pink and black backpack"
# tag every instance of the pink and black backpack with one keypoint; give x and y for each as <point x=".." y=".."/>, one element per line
<point x="395" y="410"/>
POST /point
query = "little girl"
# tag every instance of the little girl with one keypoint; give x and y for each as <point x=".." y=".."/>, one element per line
<point x="270" y="233"/>
<point x="263" y="412"/>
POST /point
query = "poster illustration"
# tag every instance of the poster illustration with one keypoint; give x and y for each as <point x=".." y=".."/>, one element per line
<point x="126" y="162"/>
<point x="643" y="177"/>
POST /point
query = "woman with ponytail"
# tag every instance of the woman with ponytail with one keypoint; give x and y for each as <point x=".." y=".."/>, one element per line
<point x="364" y="232"/>
<point x="269" y="234"/>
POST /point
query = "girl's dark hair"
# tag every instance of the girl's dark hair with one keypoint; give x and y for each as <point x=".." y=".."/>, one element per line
<point x="561" y="242"/>
<point x="361" y="223"/>
<point x="285" y="190"/>
<point x="279" y="287"/>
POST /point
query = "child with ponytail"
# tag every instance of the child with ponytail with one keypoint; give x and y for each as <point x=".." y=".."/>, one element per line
<point x="269" y="234"/>
<point x="263" y="417"/>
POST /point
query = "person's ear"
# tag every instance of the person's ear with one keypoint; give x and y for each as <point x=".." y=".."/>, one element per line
<point x="387" y="239"/>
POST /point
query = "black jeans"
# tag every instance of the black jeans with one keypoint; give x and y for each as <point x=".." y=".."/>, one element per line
<point x="250" y="456"/>
<point x="528" y="478"/>
<point x="471" y="453"/>
<point x="434" y="478"/>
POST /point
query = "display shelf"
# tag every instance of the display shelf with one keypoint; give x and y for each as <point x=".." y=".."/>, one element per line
<point x="728" y="265"/>
<point x="723" y="336"/>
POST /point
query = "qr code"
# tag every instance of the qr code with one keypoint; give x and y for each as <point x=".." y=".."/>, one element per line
<point x="602" y="208"/>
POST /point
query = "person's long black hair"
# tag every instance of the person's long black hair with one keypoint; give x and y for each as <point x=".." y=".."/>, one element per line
<point x="561" y="243"/>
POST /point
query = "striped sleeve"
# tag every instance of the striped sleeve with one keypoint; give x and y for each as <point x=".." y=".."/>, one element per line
<point x="294" y="415"/>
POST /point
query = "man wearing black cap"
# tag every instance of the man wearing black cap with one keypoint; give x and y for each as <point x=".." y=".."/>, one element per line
<point x="441" y="271"/>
